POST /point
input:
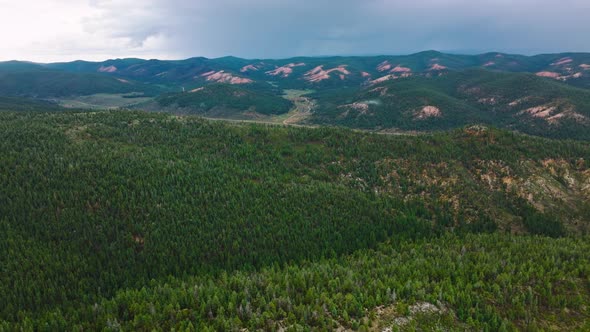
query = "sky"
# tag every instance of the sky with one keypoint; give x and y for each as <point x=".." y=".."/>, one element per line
<point x="65" y="30"/>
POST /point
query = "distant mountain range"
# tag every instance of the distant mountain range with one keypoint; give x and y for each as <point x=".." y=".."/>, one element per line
<point x="573" y="68"/>
<point x="543" y="94"/>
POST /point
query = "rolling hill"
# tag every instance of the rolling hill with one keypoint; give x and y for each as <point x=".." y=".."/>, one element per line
<point x="42" y="83"/>
<point x="542" y="95"/>
<point x="305" y="72"/>
<point x="516" y="101"/>
<point x="19" y="104"/>
<point x="224" y="100"/>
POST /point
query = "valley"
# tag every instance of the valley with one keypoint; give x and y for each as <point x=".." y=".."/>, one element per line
<point x="542" y="95"/>
<point x="302" y="106"/>
<point x="301" y="110"/>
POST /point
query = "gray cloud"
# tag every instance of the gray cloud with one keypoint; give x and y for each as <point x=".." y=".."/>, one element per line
<point x="282" y="28"/>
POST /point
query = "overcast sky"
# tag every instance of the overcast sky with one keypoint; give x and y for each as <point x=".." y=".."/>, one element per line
<point x="63" y="30"/>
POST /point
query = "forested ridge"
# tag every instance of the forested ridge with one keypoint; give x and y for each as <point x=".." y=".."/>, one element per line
<point x="135" y="221"/>
<point x="544" y="95"/>
<point x="462" y="98"/>
<point x="55" y="84"/>
<point x="204" y="99"/>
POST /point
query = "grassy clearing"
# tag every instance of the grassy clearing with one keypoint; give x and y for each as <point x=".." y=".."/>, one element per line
<point x="104" y="101"/>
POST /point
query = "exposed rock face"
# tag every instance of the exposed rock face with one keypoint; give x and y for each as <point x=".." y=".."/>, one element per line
<point x="400" y="73"/>
<point x="382" y="90"/>
<point x="108" y="69"/>
<point x="249" y="68"/>
<point x="549" y="74"/>
<point x="488" y="64"/>
<point x="362" y="108"/>
<point x="384" y="66"/>
<point x="437" y="67"/>
<point x="557" y="185"/>
<point x="553" y="113"/>
<point x="400" y="69"/>
<point x="208" y="73"/>
<point x="285" y="70"/>
<point x="427" y="112"/>
<point x="543" y="111"/>
<point x="520" y="101"/>
<point x="223" y="77"/>
<point x="562" y="61"/>
<point x="359" y="108"/>
<point x="558" y="76"/>
<point x="382" y="79"/>
<point x="318" y="74"/>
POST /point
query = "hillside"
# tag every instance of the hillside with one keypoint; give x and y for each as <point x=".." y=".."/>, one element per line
<point x="323" y="72"/>
<point x="225" y="100"/>
<point x="515" y="101"/>
<point x="41" y="83"/>
<point x="144" y="220"/>
<point x="545" y="95"/>
<point x="151" y="71"/>
<point x="297" y="73"/>
<point x="18" y="104"/>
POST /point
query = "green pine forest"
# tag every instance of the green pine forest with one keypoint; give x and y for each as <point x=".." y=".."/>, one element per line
<point x="136" y="221"/>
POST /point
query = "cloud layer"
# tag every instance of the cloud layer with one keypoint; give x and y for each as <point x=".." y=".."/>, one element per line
<point x="54" y="30"/>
